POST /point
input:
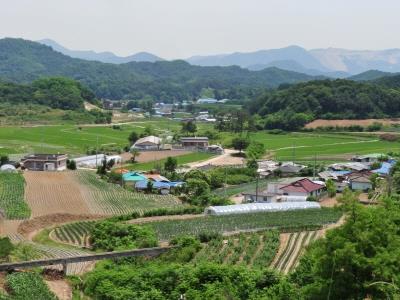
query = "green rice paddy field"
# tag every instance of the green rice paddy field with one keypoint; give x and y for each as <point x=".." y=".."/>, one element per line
<point x="76" y="140"/>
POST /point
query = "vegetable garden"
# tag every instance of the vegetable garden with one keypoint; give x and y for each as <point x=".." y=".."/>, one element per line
<point x="12" y="196"/>
<point x="74" y="233"/>
<point x="253" y="250"/>
<point x="288" y="259"/>
<point x="286" y="220"/>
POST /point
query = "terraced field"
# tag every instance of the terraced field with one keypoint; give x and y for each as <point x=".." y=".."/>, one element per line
<point x="76" y="234"/>
<point x="253" y="250"/>
<point x="12" y="201"/>
<point x="291" y="250"/>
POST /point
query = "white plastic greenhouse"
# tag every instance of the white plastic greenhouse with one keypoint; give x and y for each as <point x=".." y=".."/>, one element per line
<point x="260" y="207"/>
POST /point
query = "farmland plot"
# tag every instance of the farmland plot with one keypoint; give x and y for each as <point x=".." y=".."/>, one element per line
<point x="12" y="196"/>
<point x="301" y="219"/>
<point x="54" y="192"/>
<point x="76" y="234"/>
<point x="253" y="250"/>
<point x="111" y="199"/>
<point x="292" y="249"/>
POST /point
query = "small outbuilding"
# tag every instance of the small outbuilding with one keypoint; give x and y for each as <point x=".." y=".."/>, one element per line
<point x="147" y="143"/>
<point x="45" y="162"/>
<point x="194" y="142"/>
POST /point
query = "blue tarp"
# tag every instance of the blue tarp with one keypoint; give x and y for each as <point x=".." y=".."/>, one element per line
<point x="385" y="168"/>
<point x="156" y="184"/>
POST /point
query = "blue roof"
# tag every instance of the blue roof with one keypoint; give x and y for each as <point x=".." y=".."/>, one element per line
<point x="384" y="169"/>
<point x="133" y="176"/>
<point x="156" y="184"/>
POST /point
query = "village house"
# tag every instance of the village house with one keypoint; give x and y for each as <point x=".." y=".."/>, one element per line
<point x="147" y="143"/>
<point x="287" y="190"/>
<point x="290" y="168"/>
<point x="194" y="142"/>
<point x="359" y="181"/>
<point x="45" y="162"/>
<point x="368" y="158"/>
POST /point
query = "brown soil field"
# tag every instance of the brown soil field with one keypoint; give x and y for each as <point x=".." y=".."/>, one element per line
<point x="54" y="192"/>
<point x="147" y="156"/>
<point x="60" y="288"/>
<point x="364" y="123"/>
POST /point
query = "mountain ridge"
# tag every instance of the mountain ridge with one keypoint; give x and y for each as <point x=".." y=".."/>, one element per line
<point x="106" y="56"/>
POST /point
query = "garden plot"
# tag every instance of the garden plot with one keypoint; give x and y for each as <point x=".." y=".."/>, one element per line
<point x="12" y="196"/>
<point x="291" y="248"/>
<point x="54" y="192"/>
<point x="254" y="250"/>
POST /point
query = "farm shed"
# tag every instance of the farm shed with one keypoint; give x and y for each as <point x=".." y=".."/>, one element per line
<point x="45" y="162"/>
<point x="147" y="143"/>
<point x="260" y="207"/>
<point x="194" y="142"/>
<point x="290" y="168"/>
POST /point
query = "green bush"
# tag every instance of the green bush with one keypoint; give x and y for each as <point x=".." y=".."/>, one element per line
<point x="110" y="236"/>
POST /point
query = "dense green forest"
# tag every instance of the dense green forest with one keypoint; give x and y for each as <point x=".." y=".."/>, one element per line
<point x="24" y="61"/>
<point x="392" y="81"/>
<point x="290" y="107"/>
<point x="62" y="93"/>
<point x="48" y="100"/>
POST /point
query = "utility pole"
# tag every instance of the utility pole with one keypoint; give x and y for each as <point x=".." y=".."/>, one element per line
<point x="97" y="147"/>
<point x="315" y="165"/>
<point x="257" y="188"/>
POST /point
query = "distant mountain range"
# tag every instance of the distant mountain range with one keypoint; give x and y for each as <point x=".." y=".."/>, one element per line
<point x="106" y="57"/>
<point x="23" y="61"/>
<point x="330" y="62"/>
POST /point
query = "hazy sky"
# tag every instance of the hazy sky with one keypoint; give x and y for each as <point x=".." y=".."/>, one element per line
<point x="181" y="28"/>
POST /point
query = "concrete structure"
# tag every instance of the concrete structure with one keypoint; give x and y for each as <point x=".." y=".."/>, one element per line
<point x="147" y="143"/>
<point x="82" y="258"/>
<point x="194" y="142"/>
<point x="45" y="162"/>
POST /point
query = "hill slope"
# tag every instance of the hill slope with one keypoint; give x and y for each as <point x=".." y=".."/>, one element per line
<point x="329" y="99"/>
<point x="24" y="61"/>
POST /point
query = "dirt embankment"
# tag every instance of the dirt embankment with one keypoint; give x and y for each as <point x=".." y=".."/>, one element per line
<point x="347" y="122"/>
<point x="28" y="228"/>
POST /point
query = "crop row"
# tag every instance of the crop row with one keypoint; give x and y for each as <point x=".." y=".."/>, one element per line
<point x="295" y="246"/>
<point x="112" y="199"/>
<point x="12" y="196"/>
<point x="27" y="285"/>
<point x="299" y="220"/>
<point x="74" y="233"/>
<point x="255" y="249"/>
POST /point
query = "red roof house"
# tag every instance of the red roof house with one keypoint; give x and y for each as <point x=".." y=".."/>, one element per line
<point x="302" y="187"/>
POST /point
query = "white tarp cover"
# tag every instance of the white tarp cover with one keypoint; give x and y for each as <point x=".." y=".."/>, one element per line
<point x="260" y="207"/>
<point x="92" y="162"/>
<point x="7" y="168"/>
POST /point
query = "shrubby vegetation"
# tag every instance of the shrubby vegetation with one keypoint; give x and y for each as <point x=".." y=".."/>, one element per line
<point x="111" y="236"/>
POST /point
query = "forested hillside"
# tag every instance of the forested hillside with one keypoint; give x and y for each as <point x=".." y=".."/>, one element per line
<point x="24" y="61"/>
<point x="62" y="93"/>
<point x="389" y="81"/>
<point x="291" y="107"/>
